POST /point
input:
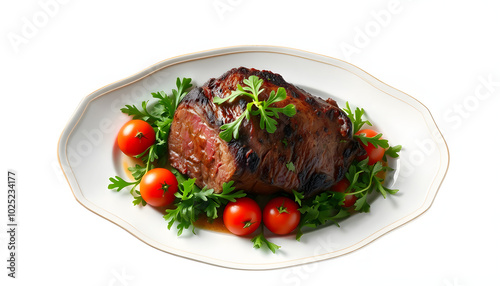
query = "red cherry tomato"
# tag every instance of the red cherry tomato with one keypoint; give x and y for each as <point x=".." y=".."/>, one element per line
<point x="373" y="153"/>
<point x="158" y="187"/>
<point x="341" y="187"/>
<point x="242" y="217"/>
<point x="135" y="137"/>
<point x="281" y="215"/>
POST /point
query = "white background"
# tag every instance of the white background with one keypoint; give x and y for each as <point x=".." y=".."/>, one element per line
<point x="53" y="54"/>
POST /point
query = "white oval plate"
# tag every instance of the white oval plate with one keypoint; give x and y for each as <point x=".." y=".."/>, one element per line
<point x="88" y="156"/>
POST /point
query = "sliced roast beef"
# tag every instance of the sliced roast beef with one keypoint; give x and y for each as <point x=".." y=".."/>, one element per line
<point x="309" y="152"/>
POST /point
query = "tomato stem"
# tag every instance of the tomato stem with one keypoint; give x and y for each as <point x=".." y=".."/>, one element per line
<point x="282" y="208"/>
<point x="248" y="223"/>
<point x="140" y="135"/>
<point x="164" y="187"/>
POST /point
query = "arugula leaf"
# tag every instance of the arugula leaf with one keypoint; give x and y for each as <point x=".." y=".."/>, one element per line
<point x="356" y="117"/>
<point x="393" y="151"/>
<point x="364" y="179"/>
<point x="376" y="140"/>
<point x="252" y="90"/>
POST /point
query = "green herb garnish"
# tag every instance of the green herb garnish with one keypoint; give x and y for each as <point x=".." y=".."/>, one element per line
<point x="191" y="201"/>
<point x="319" y="210"/>
<point x="356" y="118"/>
<point x="160" y="116"/>
<point x="376" y="140"/>
<point x="260" y="240"/>
<point x="364" y="179"/>
<point x="263" y="108"/>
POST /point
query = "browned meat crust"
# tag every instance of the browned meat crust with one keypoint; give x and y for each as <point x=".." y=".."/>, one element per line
<point x="317" y="140"/>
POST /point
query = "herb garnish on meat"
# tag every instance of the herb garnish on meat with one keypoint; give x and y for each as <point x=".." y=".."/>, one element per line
<point x="252" y="90"/>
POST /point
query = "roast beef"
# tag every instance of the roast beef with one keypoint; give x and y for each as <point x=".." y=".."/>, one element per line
<point x="309" y="152"/>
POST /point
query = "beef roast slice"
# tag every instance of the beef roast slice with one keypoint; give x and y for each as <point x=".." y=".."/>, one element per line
<point x="317" y="140"/>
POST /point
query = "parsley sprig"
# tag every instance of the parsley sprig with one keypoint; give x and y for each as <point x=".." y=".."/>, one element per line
<point x="191" y="201"/>
<point x="319" y="210"/>
<point x="118" y="183"/>
<point x="263" y="108"/>
<point x="260" y="240"/>
<point x="160" y="116"/>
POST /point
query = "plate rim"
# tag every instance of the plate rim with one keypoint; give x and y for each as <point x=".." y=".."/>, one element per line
<point x="194" y="56"/>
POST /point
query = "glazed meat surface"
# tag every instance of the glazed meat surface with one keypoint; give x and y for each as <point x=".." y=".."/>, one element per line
<point x="317" y="140"/>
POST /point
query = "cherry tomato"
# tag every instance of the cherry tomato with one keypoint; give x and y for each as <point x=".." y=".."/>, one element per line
<point x="281" y="215"/>
<point x="373" y="153"/>
<point x="158" y="187"/>
<point x="341" y="187"/>
<point x="135" y="137"/>
<point x="242" y="217"/>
